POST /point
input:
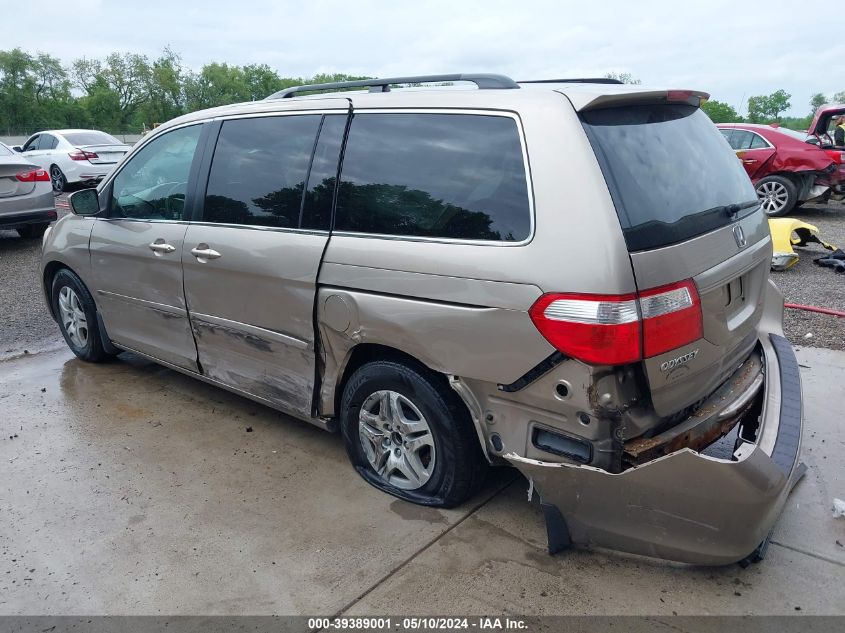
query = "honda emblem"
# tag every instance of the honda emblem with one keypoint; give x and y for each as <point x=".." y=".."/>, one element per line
<point x="739" y="236"/>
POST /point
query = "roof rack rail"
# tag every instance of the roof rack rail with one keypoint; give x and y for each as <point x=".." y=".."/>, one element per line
<point x="483" y="81"/>
<point x="576" y="80"/>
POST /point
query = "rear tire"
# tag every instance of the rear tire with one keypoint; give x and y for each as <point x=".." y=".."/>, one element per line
<point x="409" y="435"/>
<point x="777" y="194"/>
<point x="57" y="178"/>
<point x="32" y="231"/>
<point x="76" y="313"/>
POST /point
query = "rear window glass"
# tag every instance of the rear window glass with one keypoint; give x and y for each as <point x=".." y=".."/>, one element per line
<point x="91" y="138"/>
<point x="669" y="171"/>
<point x="434" y="175"/>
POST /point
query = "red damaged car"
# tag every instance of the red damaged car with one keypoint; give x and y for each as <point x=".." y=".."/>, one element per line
<point x="785" y="169"/>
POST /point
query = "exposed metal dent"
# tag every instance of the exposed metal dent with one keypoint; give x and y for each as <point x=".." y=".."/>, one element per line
<point x="714" y="418"/>
<point x="684" y="506"/>
<point x="474" y="410"/>
<point x="261" y="333"/>
<point x="152" y="305"/>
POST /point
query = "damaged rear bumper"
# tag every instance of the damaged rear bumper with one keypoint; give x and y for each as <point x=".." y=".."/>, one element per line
<point x="685" y="506"/>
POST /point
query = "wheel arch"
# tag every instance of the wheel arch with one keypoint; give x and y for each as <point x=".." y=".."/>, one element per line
<point x="364" y="353"/>
<point x="51" y="269"/>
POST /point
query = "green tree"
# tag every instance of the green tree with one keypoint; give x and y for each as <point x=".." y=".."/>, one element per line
<point x="625" y="78"/>
<point x="720" y="112"/>
<point x="166" y="90"/>
<point x="17" y="90"/>
<point x="839" y="97"/>
<point x="122" y="79"/>
<point x="817" y="100"/>
<point x="767" y="108"/>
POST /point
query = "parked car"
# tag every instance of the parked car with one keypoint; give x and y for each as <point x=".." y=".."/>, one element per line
<point x="786" y="170"/>
<point x="570" y="278"/>
<point x="821" y="129"/>
<point x="74" y="156"/>
<point x="27" y="203"/>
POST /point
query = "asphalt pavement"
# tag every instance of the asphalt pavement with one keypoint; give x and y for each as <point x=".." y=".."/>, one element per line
<point x="127" y="488"/>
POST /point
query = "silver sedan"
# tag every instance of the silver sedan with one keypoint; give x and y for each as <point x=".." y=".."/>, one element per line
<point x="27" y="202"/>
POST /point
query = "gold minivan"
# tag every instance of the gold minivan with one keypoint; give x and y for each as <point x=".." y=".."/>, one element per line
<point x="569" y="277"/>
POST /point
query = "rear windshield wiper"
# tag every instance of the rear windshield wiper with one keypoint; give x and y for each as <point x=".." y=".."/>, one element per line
<point x="732" y="210"/>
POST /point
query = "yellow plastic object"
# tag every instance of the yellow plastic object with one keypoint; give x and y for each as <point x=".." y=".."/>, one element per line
<point x="789" y="232"/>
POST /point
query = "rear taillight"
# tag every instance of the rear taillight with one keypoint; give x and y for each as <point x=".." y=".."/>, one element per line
<point x="671" y="317"/>
<point x="837" y="156"/>
<point x="82" y="155"/>
<point x="33" y="175"/>
<point x="619" y="329"/>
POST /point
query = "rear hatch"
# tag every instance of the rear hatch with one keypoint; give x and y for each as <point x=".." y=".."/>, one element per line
<point x="688" y="212"/>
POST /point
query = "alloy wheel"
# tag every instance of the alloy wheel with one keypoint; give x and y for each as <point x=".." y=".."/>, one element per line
<point x="73" y="317"/>
<point x="57" y="178"/>
<point x="773" y="196"/>
<point x="396" y="439"/>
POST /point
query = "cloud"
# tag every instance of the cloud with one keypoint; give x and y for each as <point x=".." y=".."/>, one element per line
<point x="731" y="53"/>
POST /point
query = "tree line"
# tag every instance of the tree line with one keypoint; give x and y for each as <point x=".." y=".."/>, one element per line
<point x="130" y="93"/>
<point x="124" y="92"/>
<point x="769" y="109"/>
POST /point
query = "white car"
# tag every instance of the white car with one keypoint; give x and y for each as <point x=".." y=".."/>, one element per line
<point x="74" y="156"/>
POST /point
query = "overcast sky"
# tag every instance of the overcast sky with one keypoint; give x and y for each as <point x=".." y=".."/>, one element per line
<point x="729" y="49"/>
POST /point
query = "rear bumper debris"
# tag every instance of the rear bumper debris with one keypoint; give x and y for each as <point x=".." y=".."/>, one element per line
<point x="686" y="506"/>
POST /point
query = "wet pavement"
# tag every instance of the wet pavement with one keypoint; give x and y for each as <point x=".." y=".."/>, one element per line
<point x="127" y="488"/>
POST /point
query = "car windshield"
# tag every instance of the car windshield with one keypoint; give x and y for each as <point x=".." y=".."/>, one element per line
<point x="5" y="151"/>
<point x="670" y="172"/>
<point x="92" y="137"/>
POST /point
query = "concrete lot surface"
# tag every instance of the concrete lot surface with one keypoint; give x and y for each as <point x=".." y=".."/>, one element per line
<point x="126" y="488"/>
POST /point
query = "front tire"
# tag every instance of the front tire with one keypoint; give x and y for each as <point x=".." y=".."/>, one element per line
<point x="58" y="179"/>
<point x="76" y="313"/>
<point x="408" y="434"/>
<point x="777" y="194"/>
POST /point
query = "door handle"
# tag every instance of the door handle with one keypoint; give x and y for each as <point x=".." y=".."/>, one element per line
<point x="161" y="247"/>
<point x="203" y="252"/>
<point x="749" y="161"/>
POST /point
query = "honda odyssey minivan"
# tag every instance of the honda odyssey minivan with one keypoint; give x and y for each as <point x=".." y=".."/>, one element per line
<point x="570" y="277"/>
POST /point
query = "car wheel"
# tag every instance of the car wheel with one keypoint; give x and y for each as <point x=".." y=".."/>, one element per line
<point x="76" y="313"/>
<point x="31" y="231"/>
<point x="58" y="179"/>
<point x="777" y="195"/>
<point x="408" y="434"/>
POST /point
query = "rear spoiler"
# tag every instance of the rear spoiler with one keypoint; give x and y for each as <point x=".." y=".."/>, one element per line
<point x="632" y="95"/>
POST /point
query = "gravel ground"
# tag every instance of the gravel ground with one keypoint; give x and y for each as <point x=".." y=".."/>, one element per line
<point x="808" y="284"/>
<point x="28" y="326"/>
<point x="26" y="323"/>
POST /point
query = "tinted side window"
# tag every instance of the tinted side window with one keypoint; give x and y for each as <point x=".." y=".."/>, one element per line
<point x="259" y="169"/>
<point x="31" y="144"/>
<point x="153" y="184"/>
<point x="729" y="137"/>
<point x="434" y="175"/>
<point x="48" y="141"/>
<point x="757" y="142"/>
<point x="317" y="209"/>
<point x="742" y="139"/>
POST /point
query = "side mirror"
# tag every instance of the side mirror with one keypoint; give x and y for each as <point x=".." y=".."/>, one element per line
<point x="84" y="202"/>
<point x="813" y="140"/>
<point x="17" y="148"/>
